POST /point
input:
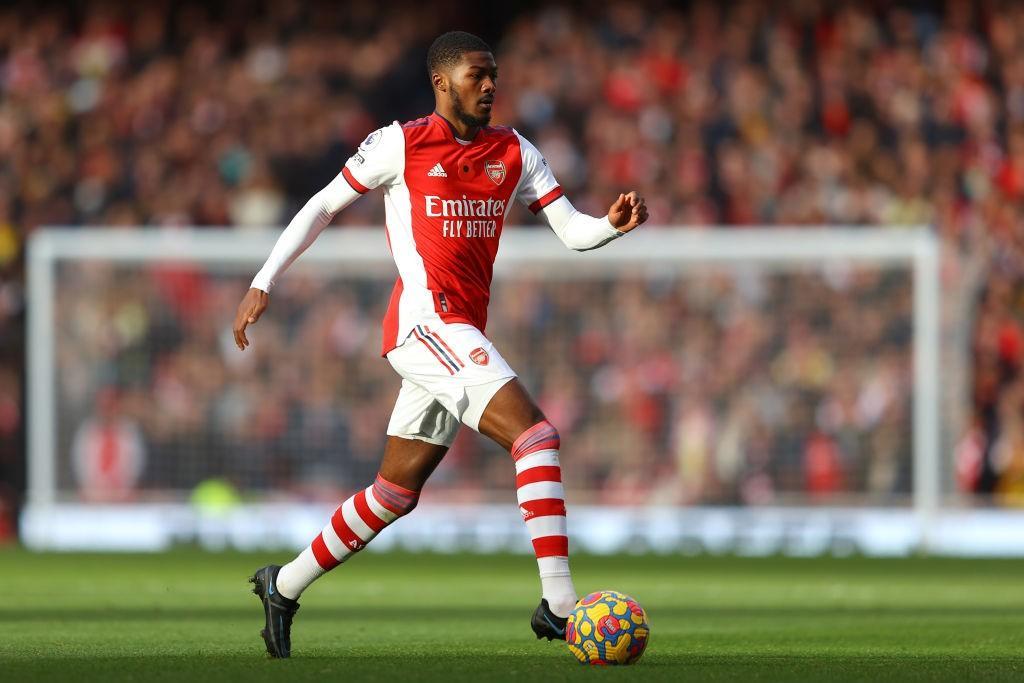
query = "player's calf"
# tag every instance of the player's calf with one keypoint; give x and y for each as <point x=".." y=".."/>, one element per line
<point x="542" y="504"/>
<point x="354" y="524"/>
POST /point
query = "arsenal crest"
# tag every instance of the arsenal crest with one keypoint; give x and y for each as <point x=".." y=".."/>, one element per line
<point x="478" y="355"/>
<point x="496" y="172"/>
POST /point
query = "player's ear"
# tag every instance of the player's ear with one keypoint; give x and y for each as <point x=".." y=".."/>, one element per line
<point x="439" y="81"/>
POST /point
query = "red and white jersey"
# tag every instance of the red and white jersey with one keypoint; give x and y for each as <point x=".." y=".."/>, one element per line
<point x="445" y="204"/>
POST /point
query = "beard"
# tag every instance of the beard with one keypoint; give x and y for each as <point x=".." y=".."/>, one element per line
<point x="465" y="117"/>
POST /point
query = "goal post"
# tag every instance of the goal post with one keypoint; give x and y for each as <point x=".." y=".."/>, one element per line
<point x="528" y="255"/>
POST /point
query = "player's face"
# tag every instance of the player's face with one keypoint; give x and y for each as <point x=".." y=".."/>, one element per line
<point x="473" y="82"/>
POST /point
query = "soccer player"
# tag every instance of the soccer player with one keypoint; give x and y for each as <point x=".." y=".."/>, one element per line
<point x="449" y="179"/>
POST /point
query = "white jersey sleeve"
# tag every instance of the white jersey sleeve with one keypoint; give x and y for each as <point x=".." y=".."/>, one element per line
<point x="539" y="191"/>
<point x="576" y="229"/>
<point x="380" y="160"/>
<point x="304" y="228"/>
<point x="537" y="186"/>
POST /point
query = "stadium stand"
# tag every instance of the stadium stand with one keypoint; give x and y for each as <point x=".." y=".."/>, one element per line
<point x="171" y="114"/>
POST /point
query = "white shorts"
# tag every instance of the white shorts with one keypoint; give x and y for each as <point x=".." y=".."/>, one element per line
<point x="449" y="375"/>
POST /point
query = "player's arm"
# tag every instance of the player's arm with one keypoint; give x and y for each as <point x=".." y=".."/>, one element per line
<point x="541" y="193"/>
<point x="301" y="232"/>
<point x="378" y="161"/>
<point x="582" y="232"/>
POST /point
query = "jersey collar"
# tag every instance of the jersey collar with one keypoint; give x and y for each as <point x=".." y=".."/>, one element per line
<point x="450" y="129"/>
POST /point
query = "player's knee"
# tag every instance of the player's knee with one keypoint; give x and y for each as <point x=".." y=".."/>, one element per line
<point x="395" y="498"/>
<point x="540" y="437"/>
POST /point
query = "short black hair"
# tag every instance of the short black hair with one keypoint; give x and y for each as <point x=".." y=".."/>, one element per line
<point x="448" y="48"/>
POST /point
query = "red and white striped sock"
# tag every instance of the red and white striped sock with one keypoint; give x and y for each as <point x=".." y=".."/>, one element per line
<point x="354" y="524"/>
<point x="542" y="504"/>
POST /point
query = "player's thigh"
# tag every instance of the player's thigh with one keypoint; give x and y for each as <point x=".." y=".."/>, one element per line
<point x="410" y="462"/>
<point x="509" y="413"/>
<point x="491" y="399"/>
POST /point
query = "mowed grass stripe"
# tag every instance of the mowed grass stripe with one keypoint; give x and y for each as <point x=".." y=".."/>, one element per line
<point x="189" y="614"/>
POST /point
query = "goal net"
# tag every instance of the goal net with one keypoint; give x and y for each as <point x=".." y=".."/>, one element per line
<point x="718" y="372"/>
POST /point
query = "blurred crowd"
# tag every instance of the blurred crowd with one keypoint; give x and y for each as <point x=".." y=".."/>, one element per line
<point x="756" y="112"/>
<point x="724" y="405"/>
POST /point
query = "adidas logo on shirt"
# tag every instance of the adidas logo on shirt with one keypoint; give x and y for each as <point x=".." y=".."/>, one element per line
<point x="437" y="172"/>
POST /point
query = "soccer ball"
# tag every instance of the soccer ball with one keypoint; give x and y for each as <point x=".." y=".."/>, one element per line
<point x="607" y="628"/>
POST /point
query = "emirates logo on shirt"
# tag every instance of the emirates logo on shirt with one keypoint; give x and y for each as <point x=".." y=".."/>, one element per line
<point x="436" y="207"/>
<point x="495" y="171"/>
<point x="479" y="356"/>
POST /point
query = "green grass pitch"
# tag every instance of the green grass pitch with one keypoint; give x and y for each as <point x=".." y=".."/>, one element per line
<point x="189" y="615"/>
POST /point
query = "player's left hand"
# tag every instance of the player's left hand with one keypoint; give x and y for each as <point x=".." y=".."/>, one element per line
<point x="628" y="211"/>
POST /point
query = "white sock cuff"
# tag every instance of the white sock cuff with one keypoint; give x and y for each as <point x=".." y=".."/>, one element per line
<point x="553" y="566"/>
<point x="296" y="576"/>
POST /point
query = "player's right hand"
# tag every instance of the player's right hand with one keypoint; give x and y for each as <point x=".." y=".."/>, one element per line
<point x="249" y="311"/>
<point x="628" y="211"/>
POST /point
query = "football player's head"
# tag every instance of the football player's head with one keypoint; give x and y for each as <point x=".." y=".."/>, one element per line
<point x="463" y="72"/>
